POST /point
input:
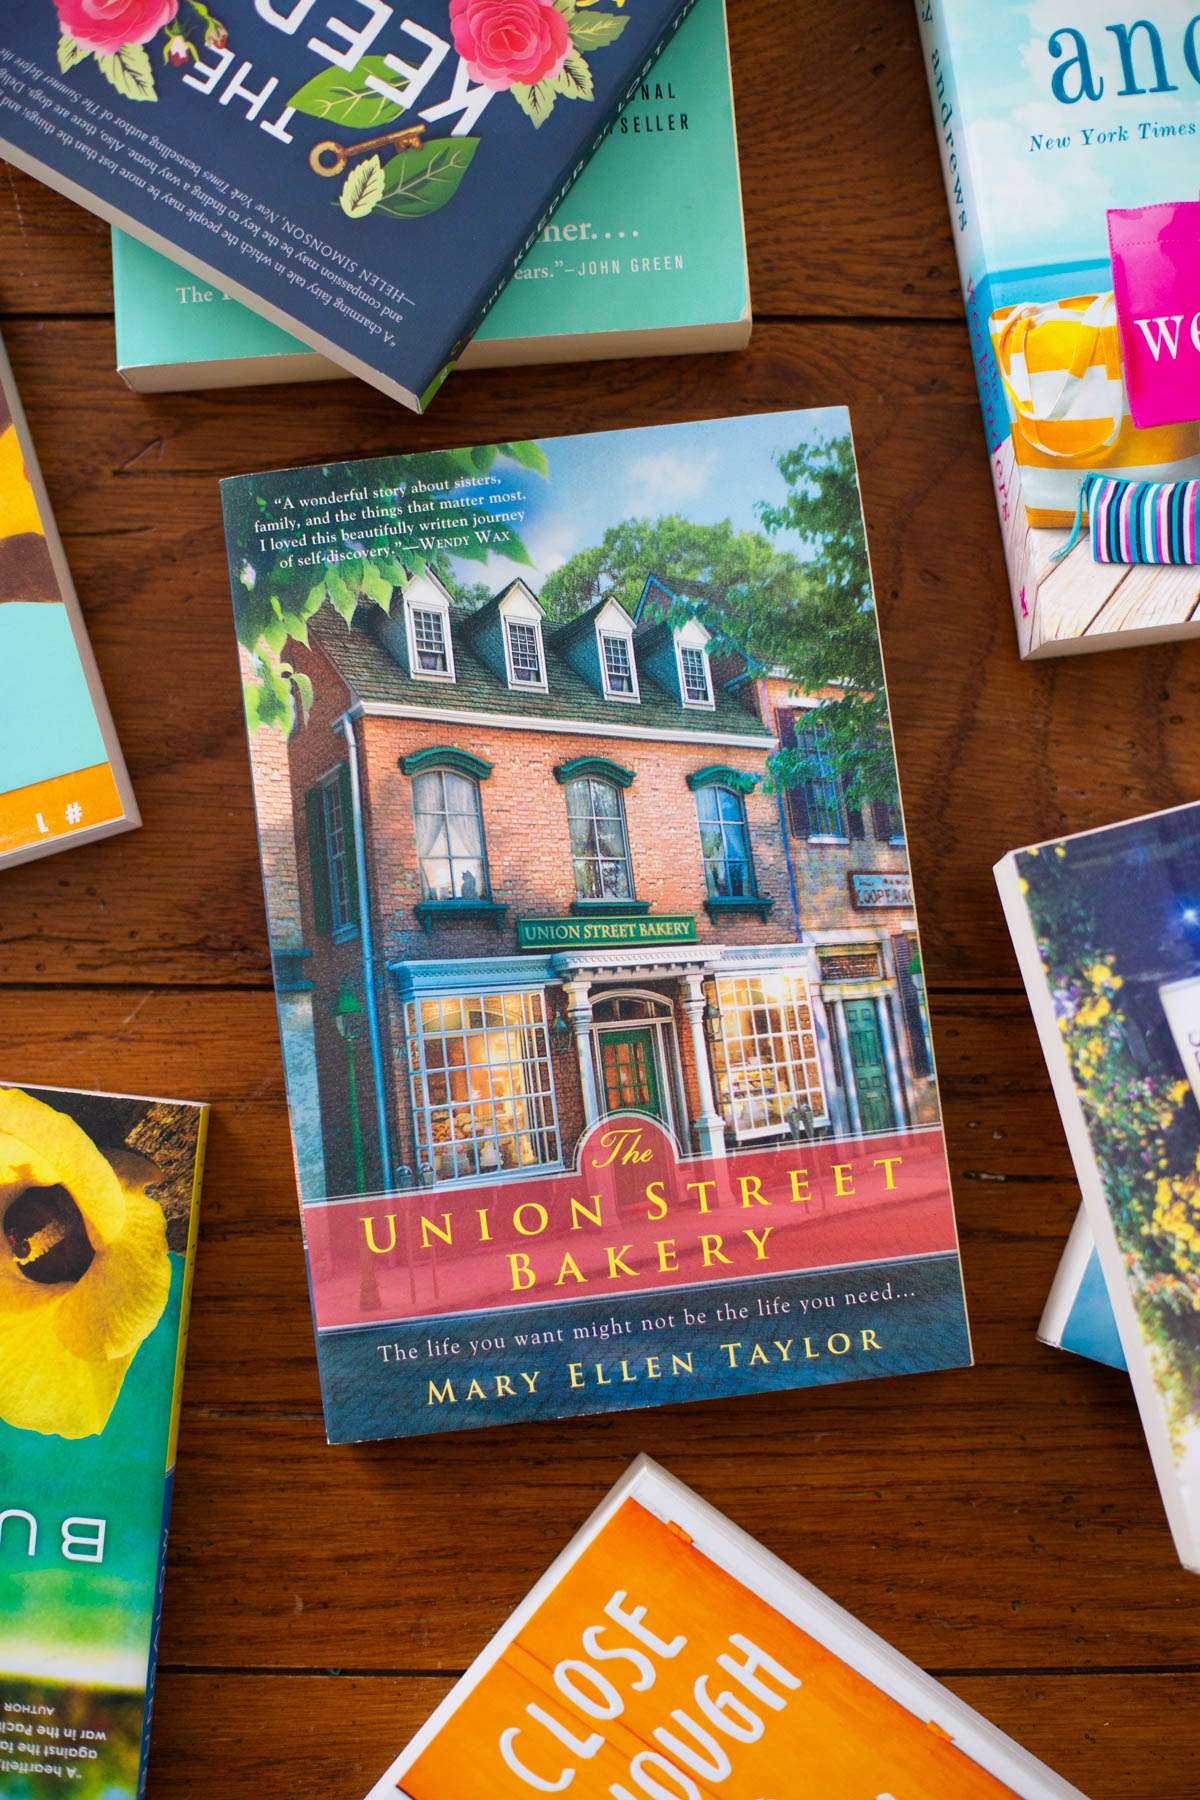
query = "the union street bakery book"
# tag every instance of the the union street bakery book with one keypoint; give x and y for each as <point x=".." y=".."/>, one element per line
<point x="365" y="175"/>
<point x="602" y="1008"/>
<point x="1068" y="145"/>
<point x="1106" y="926"/>
<point x="665" y="1655"/>
<point x="62" y="777"/>
<point x="99" y="1210"/>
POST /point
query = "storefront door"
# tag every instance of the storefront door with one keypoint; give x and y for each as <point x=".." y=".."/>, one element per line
<point x="870" y="1070"/>
<point x="629" y="1069"/>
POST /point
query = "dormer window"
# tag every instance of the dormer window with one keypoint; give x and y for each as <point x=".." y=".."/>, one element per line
<point x="693" y="667"/>
<point x="616" y="660"/>
<point x="524" y="654"/>
<point x="429" y="640"/>
<point x="427" y="627"/>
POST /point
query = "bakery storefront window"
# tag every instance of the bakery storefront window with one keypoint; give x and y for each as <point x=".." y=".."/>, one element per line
<point x="483" y="1088"/>
<point x="766" y="1059"/>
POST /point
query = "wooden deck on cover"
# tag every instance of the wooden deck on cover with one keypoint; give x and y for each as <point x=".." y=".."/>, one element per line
<point x="1000" y="1525"/>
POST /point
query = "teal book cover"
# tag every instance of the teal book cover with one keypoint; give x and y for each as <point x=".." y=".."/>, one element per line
<point x="646" y="255"/>
<point x="1068" y="144"/>
<point x="99" y="1209"/>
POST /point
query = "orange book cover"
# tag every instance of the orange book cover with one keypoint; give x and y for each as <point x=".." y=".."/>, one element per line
<point x="667" y="1656"/>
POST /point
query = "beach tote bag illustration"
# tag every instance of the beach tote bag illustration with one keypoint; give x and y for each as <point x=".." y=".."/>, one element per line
<point x="1136" y="521"/>
<point x="1060" y="363"/>
<point x="1156" y="285"/>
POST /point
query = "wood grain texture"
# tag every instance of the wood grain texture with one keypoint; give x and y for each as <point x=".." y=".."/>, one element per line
<point x="1000" y="1525"/>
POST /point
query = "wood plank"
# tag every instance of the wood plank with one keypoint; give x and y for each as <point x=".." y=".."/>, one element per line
<point x="134" y="480"/>
<point x="242" y="1735"/>
<point x="849" y="249"/>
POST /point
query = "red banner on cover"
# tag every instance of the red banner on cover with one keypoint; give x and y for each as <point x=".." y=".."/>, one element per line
<point x="632" y="1218"/>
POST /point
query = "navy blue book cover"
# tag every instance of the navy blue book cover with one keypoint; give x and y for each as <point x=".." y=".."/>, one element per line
<point x="364" y="174"/>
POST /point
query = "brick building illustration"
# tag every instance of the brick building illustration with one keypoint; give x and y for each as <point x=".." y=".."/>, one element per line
<point x="539" y="874"/>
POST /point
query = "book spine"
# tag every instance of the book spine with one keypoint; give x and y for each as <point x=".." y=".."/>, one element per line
<point x="189" y="1267"/>
<point x="521" y="252"/>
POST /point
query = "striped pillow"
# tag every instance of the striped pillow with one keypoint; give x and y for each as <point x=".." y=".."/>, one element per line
<point x="1143" y="521"/>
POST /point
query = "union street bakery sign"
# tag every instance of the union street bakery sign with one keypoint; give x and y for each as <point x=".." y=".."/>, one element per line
<point x="585" y="933"/>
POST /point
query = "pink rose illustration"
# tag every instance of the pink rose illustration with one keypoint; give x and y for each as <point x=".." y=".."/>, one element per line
<point x="504" y="42"/>
<point x="105" y="25"/>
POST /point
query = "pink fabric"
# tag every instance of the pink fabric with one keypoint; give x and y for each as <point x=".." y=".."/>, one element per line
<point x="1156" y="282"/>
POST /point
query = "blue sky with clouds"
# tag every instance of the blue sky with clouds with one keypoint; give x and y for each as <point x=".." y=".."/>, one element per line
<point x="706" y="471"/>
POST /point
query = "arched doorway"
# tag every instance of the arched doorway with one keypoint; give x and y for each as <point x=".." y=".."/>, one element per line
<point x="637" y="1057"/>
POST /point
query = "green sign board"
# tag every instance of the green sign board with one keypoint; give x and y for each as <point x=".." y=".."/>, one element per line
<point x="584" y="933"/>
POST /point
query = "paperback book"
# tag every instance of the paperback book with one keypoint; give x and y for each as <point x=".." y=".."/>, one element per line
<point x="595" y="953"/>
<point x="647" y="257"/>
<point x="367" y="183"/>
<point x="665" y="1655"/>
<point x="1068" y="149"/>
<point x="1107" y="933"/>
<point x="99" y="1210"/>
<point x="1078" y="1314"/>
<point x="62" y="776"/>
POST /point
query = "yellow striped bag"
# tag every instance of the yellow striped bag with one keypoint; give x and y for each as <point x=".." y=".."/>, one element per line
<point x="1060" y="363"/>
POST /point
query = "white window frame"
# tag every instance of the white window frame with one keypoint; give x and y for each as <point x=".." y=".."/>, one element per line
<point x="441" y="612"/>
<point x="625" y="637"/>
<point x="771" y="986"/>
<point x="342" y="921"/>
<point x="534" y="625"/>
<point x="709" y="702"/>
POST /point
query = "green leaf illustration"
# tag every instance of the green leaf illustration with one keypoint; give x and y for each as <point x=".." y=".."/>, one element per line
<point x="592" y="30"/>
<point x="70" y="53"/>
<point x="346" y="99"/>
<point x="574" y="79"/>
<point x="420" y="181"/>
<point x="538" y="101"/>
<point x="362" y="189"/>
<point x="129" y="71"/>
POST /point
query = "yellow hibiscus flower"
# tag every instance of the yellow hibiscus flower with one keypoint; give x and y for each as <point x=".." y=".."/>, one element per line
<point x="84" y="1269"/>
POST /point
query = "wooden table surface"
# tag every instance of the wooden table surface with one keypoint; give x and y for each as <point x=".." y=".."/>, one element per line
<point x="999" y="1525"/>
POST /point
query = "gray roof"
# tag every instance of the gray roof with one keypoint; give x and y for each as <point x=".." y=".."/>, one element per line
<point x="375" y="675"/>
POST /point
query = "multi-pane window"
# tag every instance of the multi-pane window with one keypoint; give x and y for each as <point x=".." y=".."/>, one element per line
<point x="483" y="1089"/>
<point x="694" y="664"/>
<point x="618" y="663"/>
<point x="449" y="829"/>
<point x="766" y="1060"/>
<point x="337" y="856"/>
<point x="524" y="653"/>
<point x="725" y="842"/>
<point x="429" y="641"/>
<point x="599" y="846"/>
<point x="823" y="789"/>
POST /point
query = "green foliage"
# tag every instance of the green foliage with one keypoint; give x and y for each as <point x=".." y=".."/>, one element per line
<point x="362" y="189"/>
<point x="814" y="620"/>
<point x="1143" y="1125"/>
<point x="274" y="600"/>
<point x="421" y="181"/>
<point x="129" y="71"/>
<point x="346" y="100"/>
<point x="70" y="52"/>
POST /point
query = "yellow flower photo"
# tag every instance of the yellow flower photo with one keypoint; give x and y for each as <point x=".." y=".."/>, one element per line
<point x="84" y="1269"/>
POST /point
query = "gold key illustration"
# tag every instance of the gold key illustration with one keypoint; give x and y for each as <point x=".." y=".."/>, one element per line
<point x="407" y="139"/>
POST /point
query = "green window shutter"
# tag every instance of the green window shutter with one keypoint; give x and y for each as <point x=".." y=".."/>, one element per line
<point x="318" y="865"/>
<point x="347" y="799"/>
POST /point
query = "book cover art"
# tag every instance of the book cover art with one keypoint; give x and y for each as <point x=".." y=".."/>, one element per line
<point x="666" y="1656"/>
<point x="99" y="1199"/>
<point x="62" y="778"/>
<point x="599" y="985"/>
<point x="1068" y="150"/>
<point x="646" y="256"/>
<point x="1078" y="1314"/>
<point x="1106" y="930"/>
<point x="368" y="182"/>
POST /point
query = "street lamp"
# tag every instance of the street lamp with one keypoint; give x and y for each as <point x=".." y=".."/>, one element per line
<point x="712" y="1024"/>
<point x="347" y="1016"/>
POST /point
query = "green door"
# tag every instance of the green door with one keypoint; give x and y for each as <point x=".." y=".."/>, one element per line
<point x="870" y="1070"/>
<point x="630" y="1071"/>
